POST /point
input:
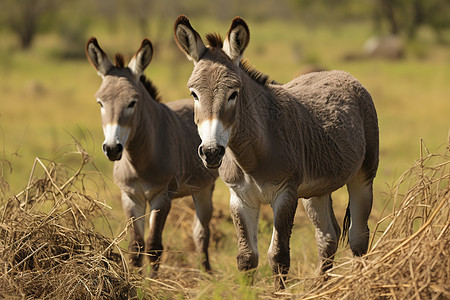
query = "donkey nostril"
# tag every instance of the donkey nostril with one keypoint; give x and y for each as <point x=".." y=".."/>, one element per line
<point x="200" y="151"/>
<point x="221" y="151"/>
<point x="113" y="152"/>
<point x="213" y="153"/>
<point x="212" y="156"/>
<point x="119" y="148"/>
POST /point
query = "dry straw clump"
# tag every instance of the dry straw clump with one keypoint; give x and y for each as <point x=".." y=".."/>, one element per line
<point x="411" y="258"/>
<point x="48" y="247"/>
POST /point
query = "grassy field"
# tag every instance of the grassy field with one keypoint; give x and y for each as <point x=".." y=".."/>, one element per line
<point x="46" y="102"/>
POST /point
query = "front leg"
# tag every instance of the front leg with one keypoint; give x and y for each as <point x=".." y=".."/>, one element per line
<point x="134" y="208"/>
<point x="245" y="219"/>
<point x="159" y="209"/>
<point x="284" y="207"/>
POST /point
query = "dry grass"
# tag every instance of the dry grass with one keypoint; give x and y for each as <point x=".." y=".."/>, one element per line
<point x="49" y="249"/>
<point x="411" y="258"/>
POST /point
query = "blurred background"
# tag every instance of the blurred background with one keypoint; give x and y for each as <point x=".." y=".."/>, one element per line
<point x="398" y="49"/>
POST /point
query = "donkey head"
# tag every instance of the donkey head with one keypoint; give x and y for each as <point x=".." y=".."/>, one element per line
<point x="215" y="83"/>
<point x="119" y="94"/>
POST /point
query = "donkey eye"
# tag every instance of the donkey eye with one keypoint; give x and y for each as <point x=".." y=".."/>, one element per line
<point x="132" y="104"/>
<point x="100" y="103"/>
<point x="194" y="95"/>
<point x="233" y="96"/>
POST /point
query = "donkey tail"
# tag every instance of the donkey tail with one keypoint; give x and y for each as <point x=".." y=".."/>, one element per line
<point x="346" y="226"/>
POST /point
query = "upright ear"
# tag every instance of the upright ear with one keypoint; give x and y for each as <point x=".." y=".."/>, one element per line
<point x="188" y="40"/>
<point x="141" y="59"/>
<point x="98" y="57"/>
<point x="237" y="40"/>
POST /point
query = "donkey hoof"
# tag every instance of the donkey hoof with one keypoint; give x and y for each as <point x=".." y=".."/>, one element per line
<point x="279" y="284"/>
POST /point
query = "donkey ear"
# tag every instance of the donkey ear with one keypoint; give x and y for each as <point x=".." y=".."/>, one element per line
<point x="98" y="57"/>
<point x="237" y="40"/>
<point x="187" y="39"/>
<point x="142" y="58"/>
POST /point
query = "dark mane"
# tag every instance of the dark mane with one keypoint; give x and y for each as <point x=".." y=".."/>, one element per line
<point x="214" y="40"/>
<point x="119" y="60"/>
<point x="261" y="78"/>
<point x="151" y="88"/>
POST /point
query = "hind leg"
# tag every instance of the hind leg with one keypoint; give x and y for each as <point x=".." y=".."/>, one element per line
<point x="320" y="212"/>
<point x="360" y="204"/>
<point x="201" y="232"/>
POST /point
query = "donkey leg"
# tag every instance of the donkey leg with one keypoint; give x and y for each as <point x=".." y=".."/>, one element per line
<point x="360" y="204"/>
<point x="201" y="232"/>
<point x="159" y="209"/>
<point x="284" y="208"/>
<point x="245" y="219"/>
<point x="135" y="209"/>
<point x="320" y="212"/>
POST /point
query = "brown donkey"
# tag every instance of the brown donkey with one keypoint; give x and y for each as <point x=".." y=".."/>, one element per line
<point x="154" y="147"/>
<point x="276" y="143"/>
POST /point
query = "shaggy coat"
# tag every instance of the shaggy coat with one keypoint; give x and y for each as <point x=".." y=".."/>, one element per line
<point x="275" y="143"/>
<point x="154" y="148"/>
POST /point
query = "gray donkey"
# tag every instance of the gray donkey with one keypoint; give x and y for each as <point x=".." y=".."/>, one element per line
<point x="274" y="144"/>
<point x="154" y="147"/>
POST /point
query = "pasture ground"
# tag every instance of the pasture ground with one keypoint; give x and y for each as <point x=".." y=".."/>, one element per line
<point x="48" y="102"/>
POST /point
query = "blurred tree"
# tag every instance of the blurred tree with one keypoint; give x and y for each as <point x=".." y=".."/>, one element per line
<point x="438" y="17"/>
<point x="23" y="17"/>
<point x="140" y="10"/>
<point x="108" y="10"/>
<point x="387" y="10"/>
<point x="152" y="16"/>
<point x="332" y="12"/>
<point x="72" y="24"/>
<point x="396" y="17"/>
<point x="406" y="16"/>
<point x="417" y="17"/>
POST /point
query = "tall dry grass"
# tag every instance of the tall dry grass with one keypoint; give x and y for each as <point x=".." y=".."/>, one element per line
<point x="49" y="248"/>
<point x="410" y="259"/>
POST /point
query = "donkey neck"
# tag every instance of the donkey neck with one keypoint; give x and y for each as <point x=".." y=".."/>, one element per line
<point x="142" y="145"/>
<point x="248" y="140"/>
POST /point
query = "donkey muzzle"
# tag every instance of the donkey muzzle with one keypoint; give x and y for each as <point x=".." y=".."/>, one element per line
<point x="211" y="156"/>
<point x="113" y="151"/>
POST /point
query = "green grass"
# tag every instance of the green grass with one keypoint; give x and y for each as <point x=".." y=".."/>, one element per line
<point x="46" y="100"/>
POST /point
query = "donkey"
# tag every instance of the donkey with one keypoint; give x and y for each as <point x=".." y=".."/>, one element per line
<point x="275" y="143"/>
<point x="154" y="149"/>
